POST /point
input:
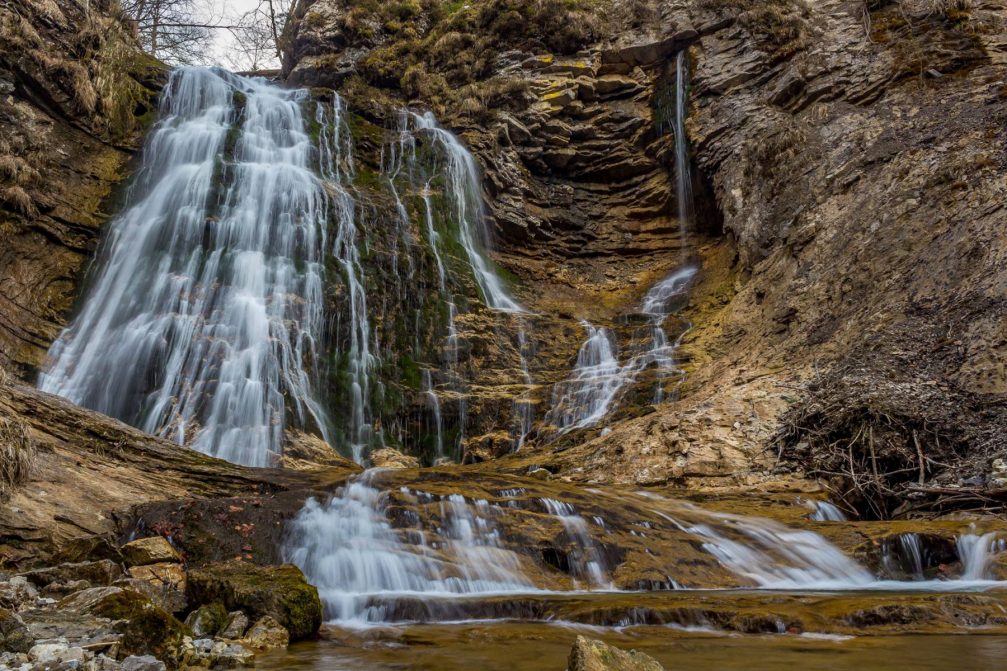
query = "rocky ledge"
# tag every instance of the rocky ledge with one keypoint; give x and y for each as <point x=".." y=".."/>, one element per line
<point x="148" y="612"/>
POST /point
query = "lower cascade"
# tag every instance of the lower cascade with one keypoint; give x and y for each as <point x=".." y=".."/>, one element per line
<point x="380" y="555"/>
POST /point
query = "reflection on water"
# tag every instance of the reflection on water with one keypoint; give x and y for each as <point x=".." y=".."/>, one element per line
<point x="505" y="646"/>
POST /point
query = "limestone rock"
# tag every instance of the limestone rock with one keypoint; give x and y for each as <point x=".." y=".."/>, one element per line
<point x="14" y="635"/>
<point x="593" y="655"/>
<point x="164" y="583"/>
<point x="153" y="550"/>
<point x="237" y="625"/>
<point x="391" y="458"/>
<point x="15" y="592"/>
<point x="142" y="663"/>
<point x="231" y="656"/>
<point x="266" y="634"/>
<point x="96" y="573"/>
<point x="145" y="627"/>
<point x="207" y="621"/>
<point x="278" y="591"/>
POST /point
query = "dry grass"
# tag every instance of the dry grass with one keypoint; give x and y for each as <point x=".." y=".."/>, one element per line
<point x="17" y="455"/>
<point x="781" y="26"/>
<point x="17" y="199"/>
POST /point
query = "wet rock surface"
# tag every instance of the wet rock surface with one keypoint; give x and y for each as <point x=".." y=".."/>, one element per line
<point x="593" y="655"/>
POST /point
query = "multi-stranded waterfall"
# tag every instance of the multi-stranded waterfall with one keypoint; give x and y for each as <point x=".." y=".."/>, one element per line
<point x="204" y="317"/>
<point x="256" y="283"/>
<point x="599" y="380"/>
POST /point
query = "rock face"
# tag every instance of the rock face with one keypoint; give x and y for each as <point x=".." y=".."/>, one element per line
<point x="76" y="92"/>
<point x="593" y="655"/>
<point x="835" y="161"/>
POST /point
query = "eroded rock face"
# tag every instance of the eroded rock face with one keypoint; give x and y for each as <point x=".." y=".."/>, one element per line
<point x="841" y="160"/>
<point x="76" y="93"/>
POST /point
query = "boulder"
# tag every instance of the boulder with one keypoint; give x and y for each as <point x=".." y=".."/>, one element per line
<point x="56" y="653"/>
<point x="164" y="583"/>
<point x="387" y="457"/>
<point x="145" y="627"/>
<point x="208" y="620"/>
<point x="237" y="625"/>
<point x="95" y="573"/>
<point x="14" y="634"/>
<point x="231" y="656"/>
<point x="279" y="591"/>
<point x="266" y="634"/>
<point x="16" y="592"/>
<point x="593" y="655"/>
<point x="141" y="663"/>
<point x="153" y="550"/>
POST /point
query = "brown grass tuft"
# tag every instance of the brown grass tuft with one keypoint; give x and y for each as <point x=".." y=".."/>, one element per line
<point x="17" y="455"/>
<point x="17" y="199"/>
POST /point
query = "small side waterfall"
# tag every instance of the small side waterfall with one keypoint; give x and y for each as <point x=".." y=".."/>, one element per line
<point x="204" y="318"/>
<point x="335" y="149"/>
<point x="464" y="189"/>
<point x="584" y="399"/>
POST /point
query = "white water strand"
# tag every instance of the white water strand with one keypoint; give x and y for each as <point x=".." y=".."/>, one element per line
<point x="463" y="186"/>
<point x="203" y="319"/>
<point x="976" y="553"/>
<point x="587" y="559"/>
<point x="584" y="399"/>
<point x="658" y="303"/>
<point x="435" y="408"/>
<point x="348" y="549"/>
<point x="775" y="556"/>
<point x="683" y="169"/>
<point x="825" y="511"/>
<point x="335" y="150"/>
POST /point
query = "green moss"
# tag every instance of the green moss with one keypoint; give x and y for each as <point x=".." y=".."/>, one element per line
<point x="279" y="591"/>
<point x="146" y="629"/>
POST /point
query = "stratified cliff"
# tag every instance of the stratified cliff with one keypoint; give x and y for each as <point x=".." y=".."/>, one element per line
<point x="76" y="92"/>
<point x="850" y="178"/>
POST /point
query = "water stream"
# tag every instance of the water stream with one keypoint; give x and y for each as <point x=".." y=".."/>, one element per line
<point x="205" y="314"/>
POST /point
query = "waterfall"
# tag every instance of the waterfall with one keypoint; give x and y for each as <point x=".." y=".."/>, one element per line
<point x="587" y="560"/>
<point x="335" y="148"/>
<point x="658" y="303"/>
<point x="435" y="408"/>
<point x="825" y="511"/>
<point x="203" y="319"/>
<point x="683" y="169"/>
<point x="584" y="399"/>
<point x="463" y="183"/>
<point x="360" y="563"/>
<point x="976" y="554"/>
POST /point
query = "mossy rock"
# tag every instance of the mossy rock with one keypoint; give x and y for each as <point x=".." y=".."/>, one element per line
<point x="279" y="591"/>
<point x="146" y="628"/>
<point x="14" y="635"/>
<point x="207" y="621"/>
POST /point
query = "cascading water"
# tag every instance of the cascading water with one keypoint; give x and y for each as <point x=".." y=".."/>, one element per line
<point x="359" y="562"/>
<point x="598" y="379"/>
<point x="335" y="148"/>
<point x="584" y="399"/>
<point x="204" y="318"/>
<point x="463" y="182"/>
<point x="825" y="511"/>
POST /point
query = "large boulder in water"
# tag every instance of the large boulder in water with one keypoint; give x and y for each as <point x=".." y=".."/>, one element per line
<point x="593" y="655"/>
<point x="278" y="591"/>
